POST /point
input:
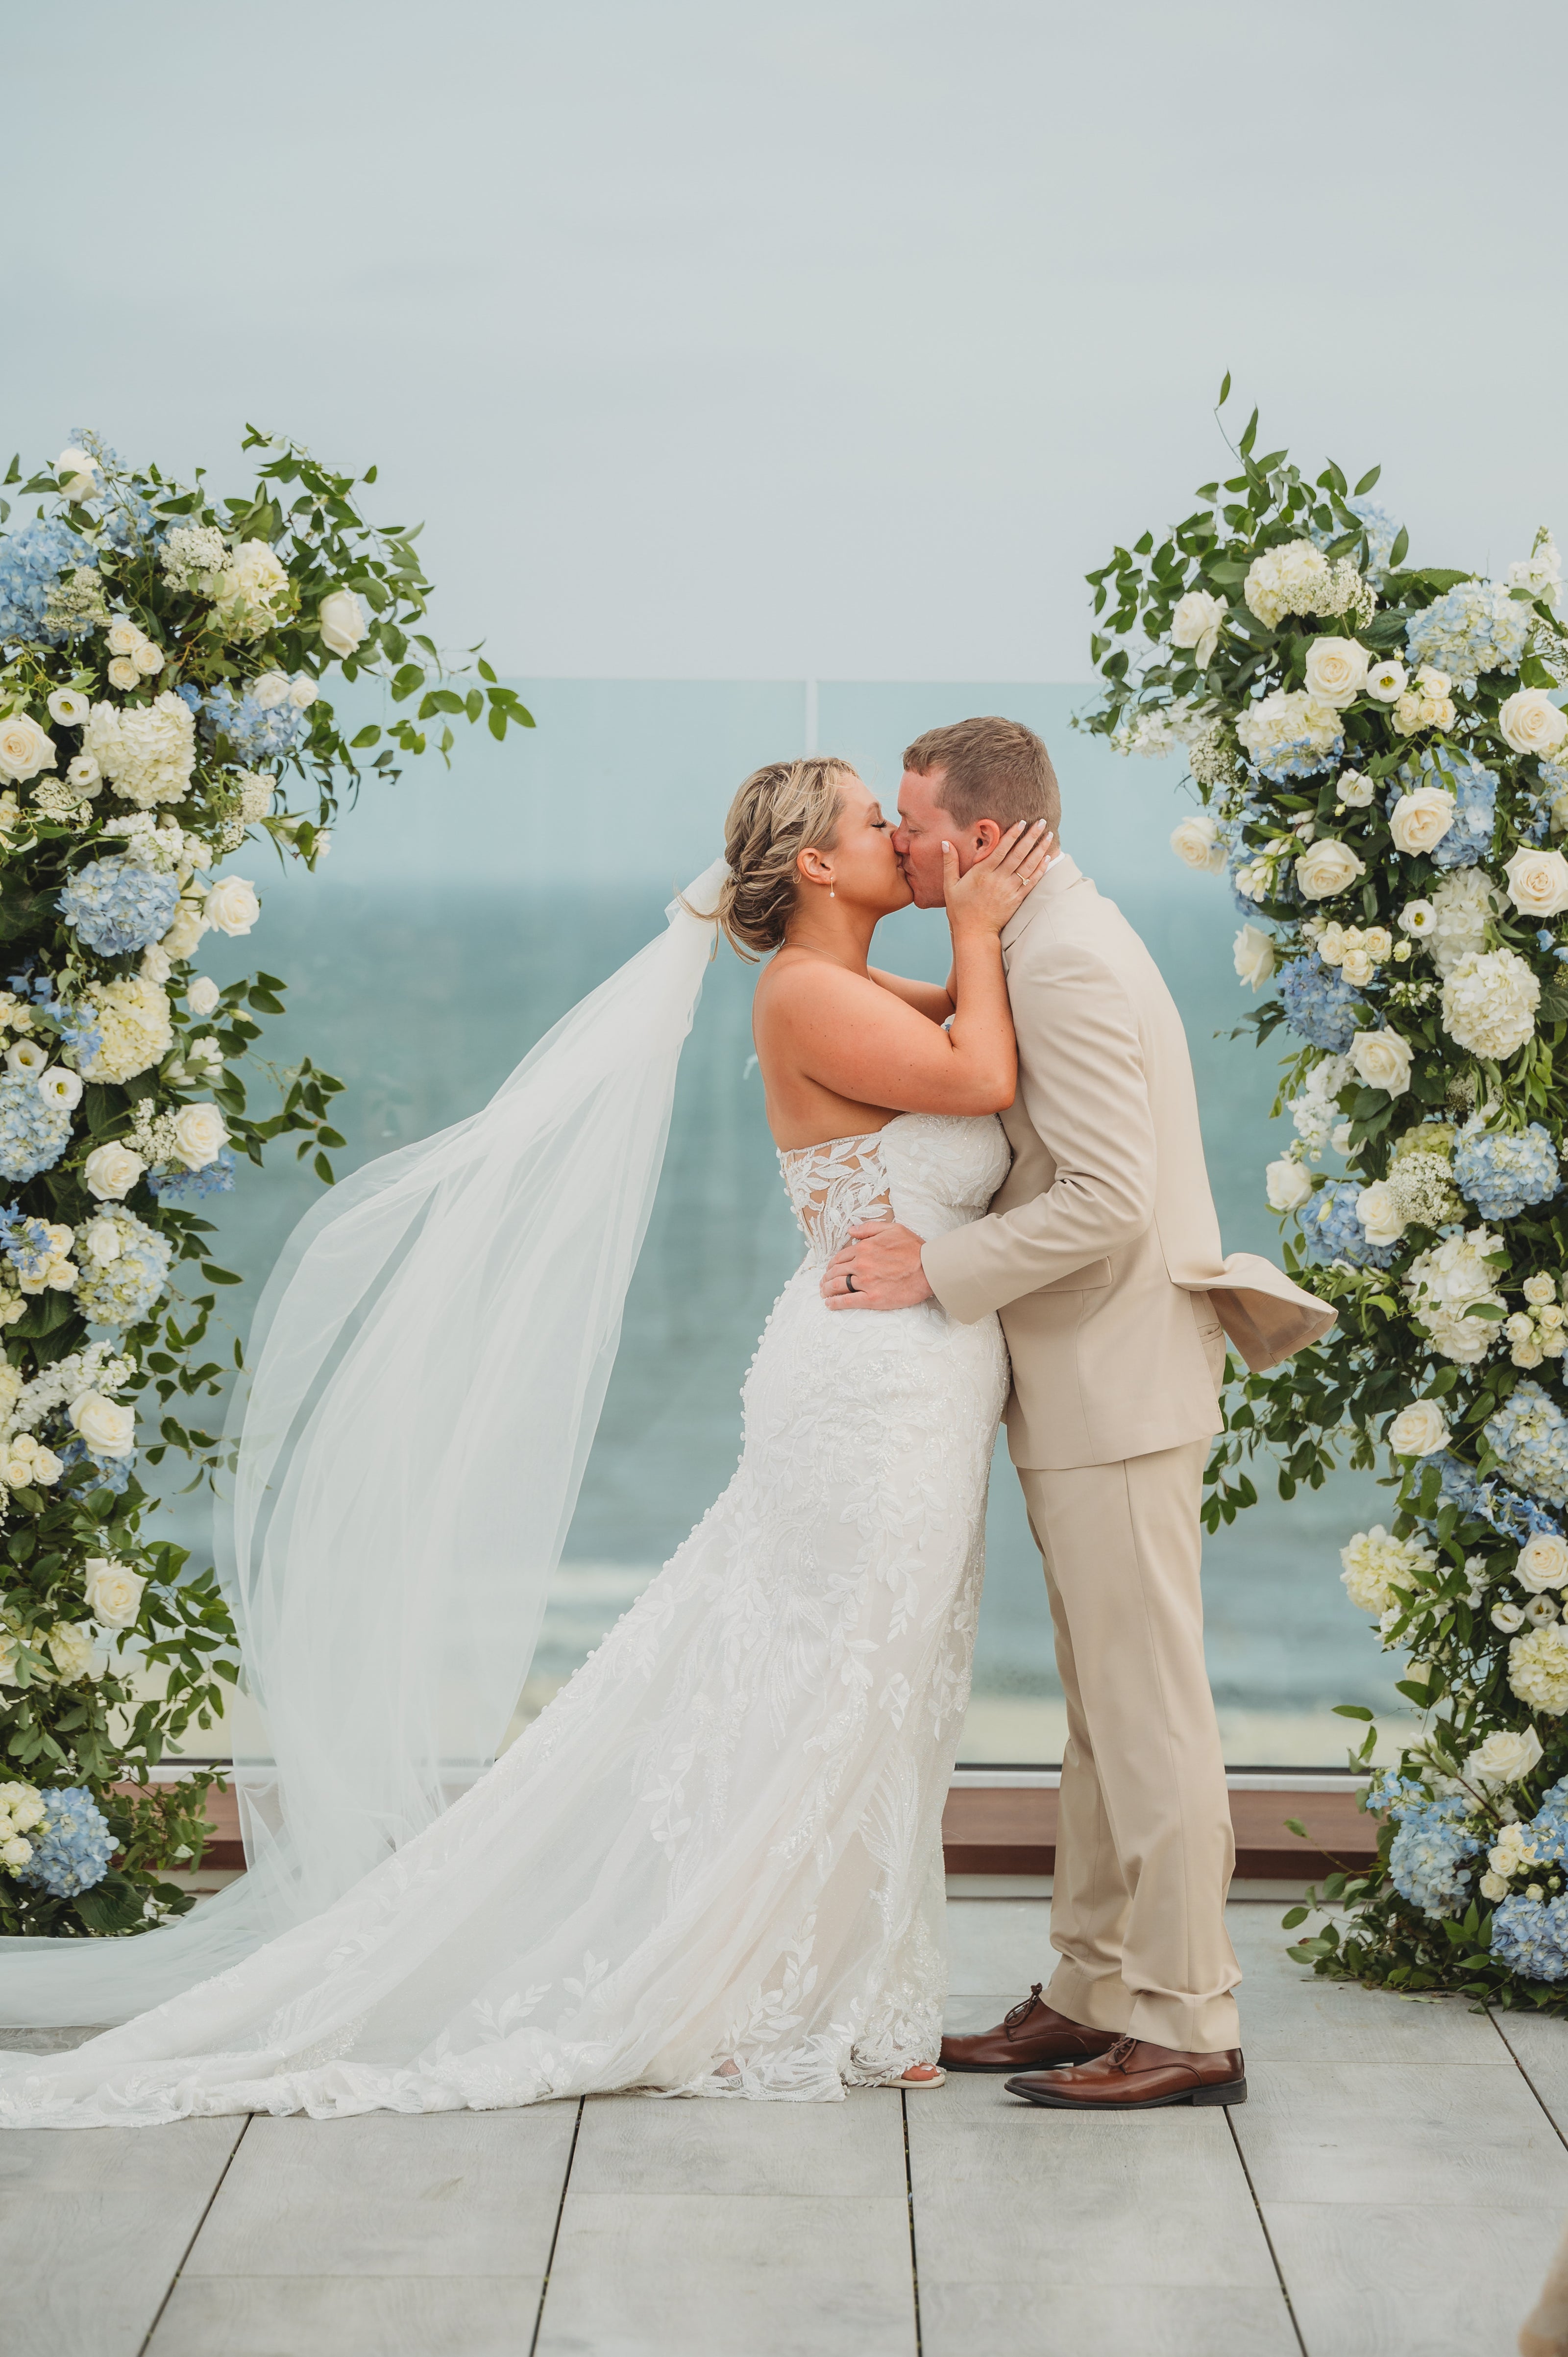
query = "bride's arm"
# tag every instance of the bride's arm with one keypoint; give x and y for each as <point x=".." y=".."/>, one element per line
<point x="928" y="999"/>
<point x="870" y="1045"/>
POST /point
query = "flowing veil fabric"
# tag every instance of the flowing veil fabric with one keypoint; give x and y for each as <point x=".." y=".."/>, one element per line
<point x="427" y="1366"/>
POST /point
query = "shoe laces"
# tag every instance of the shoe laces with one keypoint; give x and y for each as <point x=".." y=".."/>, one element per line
<point x="1117" y="2055"/>
<point x="1023" y="2010"/>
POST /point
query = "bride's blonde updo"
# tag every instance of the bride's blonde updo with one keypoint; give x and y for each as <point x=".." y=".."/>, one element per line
<point x="781" y="811"/>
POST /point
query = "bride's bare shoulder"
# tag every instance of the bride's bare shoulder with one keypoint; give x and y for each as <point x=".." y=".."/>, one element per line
<point x="795" y="985"/>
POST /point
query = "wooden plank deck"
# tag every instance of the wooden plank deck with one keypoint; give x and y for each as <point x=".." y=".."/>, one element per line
<point x="1395" y="2189"/>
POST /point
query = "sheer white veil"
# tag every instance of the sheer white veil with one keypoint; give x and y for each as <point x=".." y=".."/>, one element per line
<point x="427" y="1369"/>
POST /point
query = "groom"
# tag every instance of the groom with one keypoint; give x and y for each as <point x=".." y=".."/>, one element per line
<point x="1101" y="1252"/>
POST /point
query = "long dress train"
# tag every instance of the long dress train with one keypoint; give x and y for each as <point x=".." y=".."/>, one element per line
<point x="713" y="1864"/>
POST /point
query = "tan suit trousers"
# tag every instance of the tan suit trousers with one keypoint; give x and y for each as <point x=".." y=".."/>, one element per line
<point x="1144" y="1850"/>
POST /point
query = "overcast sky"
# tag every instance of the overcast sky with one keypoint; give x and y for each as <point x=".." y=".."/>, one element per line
<point x="728" y="339"/>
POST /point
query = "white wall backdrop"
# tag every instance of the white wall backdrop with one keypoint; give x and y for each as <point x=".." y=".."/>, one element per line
<point x="717" y="338"/>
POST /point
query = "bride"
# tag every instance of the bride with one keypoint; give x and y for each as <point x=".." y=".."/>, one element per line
<point x="713" y="1864"/>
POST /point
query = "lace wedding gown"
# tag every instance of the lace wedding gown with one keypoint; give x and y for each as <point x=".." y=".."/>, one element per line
<point x="721" y="1843"/>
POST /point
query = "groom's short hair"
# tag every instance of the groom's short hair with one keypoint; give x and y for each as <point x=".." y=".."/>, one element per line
<point x="992" y="768"/>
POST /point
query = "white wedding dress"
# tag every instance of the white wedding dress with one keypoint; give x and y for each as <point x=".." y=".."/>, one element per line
<point x="713" y="1866"/>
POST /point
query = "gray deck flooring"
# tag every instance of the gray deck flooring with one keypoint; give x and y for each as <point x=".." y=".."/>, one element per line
<point x="1394" y="2188"/>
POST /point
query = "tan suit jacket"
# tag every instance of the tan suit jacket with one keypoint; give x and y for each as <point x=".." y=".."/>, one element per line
<point x="1101" y="1250"/>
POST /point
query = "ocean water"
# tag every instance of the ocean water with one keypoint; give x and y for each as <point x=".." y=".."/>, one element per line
<point x="461" y="914"/>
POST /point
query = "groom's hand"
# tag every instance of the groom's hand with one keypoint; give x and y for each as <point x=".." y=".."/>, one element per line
<point x="879" y="1268"/>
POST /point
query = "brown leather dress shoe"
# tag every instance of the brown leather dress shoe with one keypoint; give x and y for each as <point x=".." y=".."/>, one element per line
<point x="1034" y="2037"/>
<point x="1134" y="2076"/>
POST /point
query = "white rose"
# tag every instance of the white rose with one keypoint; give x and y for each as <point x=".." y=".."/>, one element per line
<point x="186" y="929"/>
<point x="1492" y="1886"/>
<point x="122" y="672"/>
<point x="1354" y="790"/>
<point x="1422" y="819"/>
<point x="1197" y="840"/>
<point x="157" y="964"/>
<point x="1532" y="723"/>
<point x="1288" y="1185"/>
<point x="102" y="1238"/>
<point x="1335" y="670"/>
<point x="1504" y="1759"/>
<point x="110" y="1172"/>
<point x="342" y="622"/>
<point x="1327" y="868"/>
<point x="269" y="690"/>
<point x="46" y="1468"/>
<point x="123" y="636"/>
<point x="149" y="658"/>
<point x="200" y="1135"/>
<point x="67" y="709"/>
<point x="59" y="1087"/>
<point x="1418" y="1430"/>
<point x="1387" y="682"/>
<point x="202" y="995"/>
<point x="25" y="749"/>
<point x="71" y="1648"/>
<point x="1254" y="956"/>
<point x="302" y="692"/>
<point x="1542" y="1562"/>
<point x="1197" y="622"/>
<point x="1383" y="1060"/>
<point x="1538" y="881"/>
<point x="109" y="1430"/>
<point x="231" y="906"/>
<point x="112" y="1592"/>
<point x="1377" y="1207"/>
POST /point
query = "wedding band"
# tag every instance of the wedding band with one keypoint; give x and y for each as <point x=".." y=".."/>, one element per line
<point x="849" y="1280"/>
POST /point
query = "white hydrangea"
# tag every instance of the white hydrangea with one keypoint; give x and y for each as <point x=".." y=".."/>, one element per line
<point x="1446" y="1283"/>
<point x="1314" y="1111"/>
<point x="1287" y="580"/>
<point x="1490" y="1000"/>
<point x="191" y="551"/>
<point x="1538" y="1668"/>
<point x="147" y="752"/>
<point x="133" y="1017"/>
<point x="1289" y="718"/>
<point x="1376" y="1564"/>
<point x="1463" y="905"/>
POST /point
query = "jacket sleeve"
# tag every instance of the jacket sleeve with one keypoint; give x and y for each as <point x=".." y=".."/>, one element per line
<point x="1081" y="1066"/>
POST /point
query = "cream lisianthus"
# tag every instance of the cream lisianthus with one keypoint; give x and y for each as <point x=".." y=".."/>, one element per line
<point x="1387" y="681"/>
<point x="1354" y="790"/>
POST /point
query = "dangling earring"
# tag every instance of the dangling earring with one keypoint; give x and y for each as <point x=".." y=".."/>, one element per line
<point x="832" y="893"/>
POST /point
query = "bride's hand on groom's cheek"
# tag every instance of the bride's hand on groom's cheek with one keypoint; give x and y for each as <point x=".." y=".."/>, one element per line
<point x="879" y="1268"/>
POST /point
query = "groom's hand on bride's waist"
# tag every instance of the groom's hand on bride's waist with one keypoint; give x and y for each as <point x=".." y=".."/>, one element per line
<point x="879" y="1268"/>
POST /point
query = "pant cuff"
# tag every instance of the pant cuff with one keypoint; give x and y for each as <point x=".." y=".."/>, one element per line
<point x="1199" y="2025"/>
<point x="1095" y="2000"/>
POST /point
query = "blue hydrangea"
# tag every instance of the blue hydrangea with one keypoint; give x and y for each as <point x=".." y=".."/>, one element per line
<point x="1331" y="1228"/>
<point x="214" y="1178"/>
<point x="121" y="1292"/>
<point x="1501" y="1171"/>
<point x="1476" y="626"/>
<point x="117" y="907"/>
<point x="1430" y="1856"/>
<point x="1319" y="1003"/>
<point x="1381" y="533"/>
<point x="1530" y="1435"/>
<point x="109" y="1472"/>
<point x="125" y="519"/>
<point x="25" y="1242"/>
<point x="1530" y="1937"/>
<point x="1511" y="1515"/>
<point x="33" y="560"/>
<point x="71" y="1847"/>
<point x="254" y="734"/>
<point x="34" y="1132"/>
